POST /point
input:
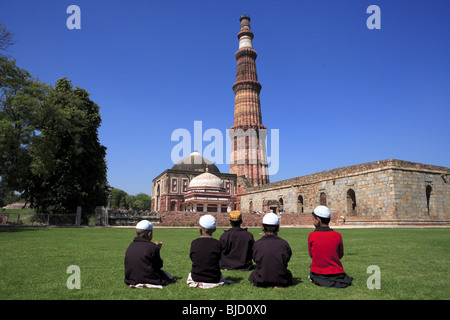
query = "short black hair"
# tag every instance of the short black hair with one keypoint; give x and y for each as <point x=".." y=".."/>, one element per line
<point x="235" y="223"/>
<point x="270" y="228"/>
<point x="208" y="231"/>
<point x="323" y="220"/>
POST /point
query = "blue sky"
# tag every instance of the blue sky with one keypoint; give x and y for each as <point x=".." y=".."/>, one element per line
<point x="339" y="93"/>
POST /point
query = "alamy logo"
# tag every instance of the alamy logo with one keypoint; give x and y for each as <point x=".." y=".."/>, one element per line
<point x="374" y="21"/>
<point x="230" y="150"/>
<point x="374" y="281"/>
<point x="74" y="20"/>
<point x="74" y="280"/>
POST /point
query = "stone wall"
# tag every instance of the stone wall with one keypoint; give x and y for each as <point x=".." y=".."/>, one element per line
<point x="190" y="219"/>
<point x="123" y="217"/>
<point x="386" y="192"/>
<point x="412" y="199"/>
<point x="382" y="190"/>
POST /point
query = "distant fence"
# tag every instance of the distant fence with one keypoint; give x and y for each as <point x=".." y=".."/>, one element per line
<point x="103" y="217"/>
<point x="35" y="219"/>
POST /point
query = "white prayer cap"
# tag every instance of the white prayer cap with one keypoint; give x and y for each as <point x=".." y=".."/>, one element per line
<point x="271" y="219"/>
<point x="144" y="225"/>
<point x="208" y="221"/>
<point x="322" y="211"/>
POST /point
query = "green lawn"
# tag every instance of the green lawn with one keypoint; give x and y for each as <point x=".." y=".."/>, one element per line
<point x="414" y="264"/>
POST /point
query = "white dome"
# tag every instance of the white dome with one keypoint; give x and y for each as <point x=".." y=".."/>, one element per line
<point x="206" y="180"/>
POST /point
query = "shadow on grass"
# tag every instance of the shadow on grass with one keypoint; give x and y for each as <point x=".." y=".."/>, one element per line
<point x="175" y="279"/>
<point x="296" y="281"/>
<point x="7" y="228"/>
<point x="234" y="279"/>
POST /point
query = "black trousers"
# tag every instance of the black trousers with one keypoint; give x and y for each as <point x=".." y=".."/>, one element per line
<point x="340" y="280"/>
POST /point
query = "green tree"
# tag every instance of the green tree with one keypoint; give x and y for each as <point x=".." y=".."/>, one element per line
<point x="118" y="198"/>
<point x="140" y="201"/>
<point x="49" y="146"/>
<point x="21" y="98"/>
<point x="6" y="38"/>
<point x="68" y="161"/>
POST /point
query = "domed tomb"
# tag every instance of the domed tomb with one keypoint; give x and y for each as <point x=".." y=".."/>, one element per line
<point x="195" y="162"/>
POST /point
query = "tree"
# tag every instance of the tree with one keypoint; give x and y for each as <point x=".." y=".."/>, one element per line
<point x="121" y="199"/>
<point x="21" y="98"/>
<point x="6" y="38"/>
<point x="118" y="198"/>
<point x="140" y="201"/>
<point x="68" y="162"/>
<point x="49" y="146"/>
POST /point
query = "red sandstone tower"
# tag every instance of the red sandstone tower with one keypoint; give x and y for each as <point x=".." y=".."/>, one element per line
<point x="248" y="135"/>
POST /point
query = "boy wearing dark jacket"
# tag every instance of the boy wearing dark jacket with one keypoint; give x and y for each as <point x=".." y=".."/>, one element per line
<point x="237" y="245"/>
<point x="205" y="255"/>
<point x="271" y="254"/>
<point x="143" y="262"/>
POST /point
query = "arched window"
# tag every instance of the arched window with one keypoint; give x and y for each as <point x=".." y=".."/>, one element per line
<point x="351" y="203"/>
<point x="250" y="207"/>
<point x="323" y="199"/>
<point x="428" y="193"/>
<point x="281" y="204"/>
<point x="300" y="204"/>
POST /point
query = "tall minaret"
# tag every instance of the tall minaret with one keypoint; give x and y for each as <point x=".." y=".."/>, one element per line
<point x="248" y="135"/>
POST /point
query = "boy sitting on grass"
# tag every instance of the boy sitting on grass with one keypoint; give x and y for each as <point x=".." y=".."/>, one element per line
<point x="326" y="249"/>
<point x="205" y="254"/>
<point x="143" y="262"/>
<point x="271" y="254"/>
<point x="237" y="244"/>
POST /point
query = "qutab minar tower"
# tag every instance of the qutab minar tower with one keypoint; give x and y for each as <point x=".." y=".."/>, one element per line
<point x="248" y="135"/>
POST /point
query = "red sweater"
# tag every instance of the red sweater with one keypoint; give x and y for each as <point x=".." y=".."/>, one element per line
<point x="326" y="248"/>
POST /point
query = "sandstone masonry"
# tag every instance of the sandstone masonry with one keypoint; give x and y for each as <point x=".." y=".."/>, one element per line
<point x="389" y="190"/>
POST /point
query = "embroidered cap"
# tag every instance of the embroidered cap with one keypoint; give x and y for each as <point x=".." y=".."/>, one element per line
<point x="271" y="219"/>
<point x="144" y="225"/>
<point x="322" y="211"/>
<point x="235" y="215"/>
<point x="207" y="221"/>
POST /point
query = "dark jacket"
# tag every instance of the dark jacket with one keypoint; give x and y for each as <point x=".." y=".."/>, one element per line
<point x="205" y="255"/>
<point x="143" y="263"/>
<point x="237" y="245"/>
<point x="271" y="254"/>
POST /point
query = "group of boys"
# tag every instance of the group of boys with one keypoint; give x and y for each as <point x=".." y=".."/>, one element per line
<point x="236" y="250"/>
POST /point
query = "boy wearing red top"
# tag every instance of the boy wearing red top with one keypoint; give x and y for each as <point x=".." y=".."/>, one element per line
<point x="326" y="249"/>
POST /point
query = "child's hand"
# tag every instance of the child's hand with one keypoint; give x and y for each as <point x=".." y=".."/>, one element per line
<point x="159" y="244"/>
